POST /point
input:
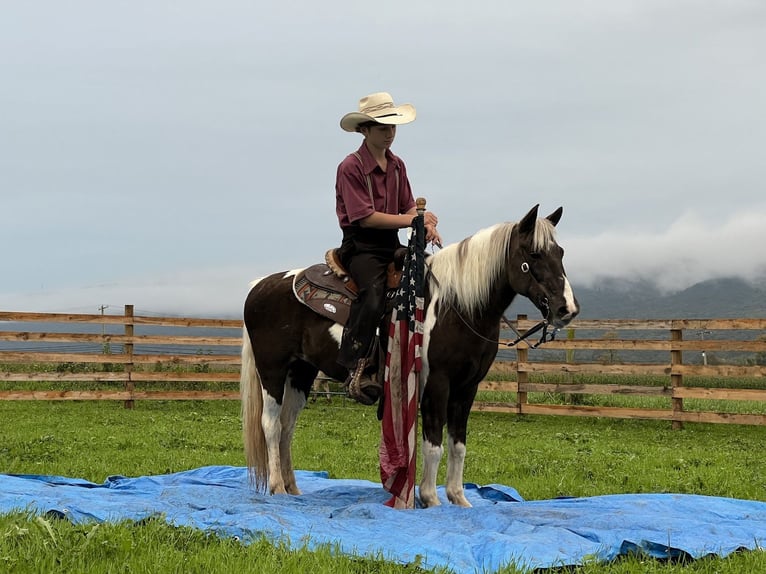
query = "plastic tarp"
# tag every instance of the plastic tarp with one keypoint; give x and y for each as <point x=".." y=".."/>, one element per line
<point x="349" y="515"/>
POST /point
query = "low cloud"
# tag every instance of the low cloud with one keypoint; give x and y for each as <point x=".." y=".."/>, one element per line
<point x="217" y="292"/>
<point x="690" y="250"/>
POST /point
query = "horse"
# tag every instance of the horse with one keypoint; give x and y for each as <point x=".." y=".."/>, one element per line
<point x="470" y="284"/>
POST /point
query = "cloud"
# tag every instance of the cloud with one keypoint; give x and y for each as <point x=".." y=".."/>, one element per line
<point x="690" y="250"/>
<point x="212" y="292"/>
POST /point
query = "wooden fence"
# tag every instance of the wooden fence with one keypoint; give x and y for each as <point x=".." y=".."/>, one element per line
<point x="679" y="361"/>
<point x="125" y="357"/>
<point x="595" y="368"/>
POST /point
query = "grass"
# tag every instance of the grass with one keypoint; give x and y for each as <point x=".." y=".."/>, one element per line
<point x="37" y="544"/>
<point x="542" y="457"/>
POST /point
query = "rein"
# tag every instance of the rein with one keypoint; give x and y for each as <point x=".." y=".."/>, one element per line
<point x="544" y="338"/>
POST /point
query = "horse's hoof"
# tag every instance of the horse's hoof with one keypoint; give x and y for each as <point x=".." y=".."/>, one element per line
<point x="428" y="501"/>
<point x="459" y="500"/>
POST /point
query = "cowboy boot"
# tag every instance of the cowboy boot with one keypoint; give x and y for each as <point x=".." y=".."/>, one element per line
<point x="364" y="387"/>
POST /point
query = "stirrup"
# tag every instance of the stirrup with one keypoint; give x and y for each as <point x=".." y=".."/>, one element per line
<point x="359" y="385"/>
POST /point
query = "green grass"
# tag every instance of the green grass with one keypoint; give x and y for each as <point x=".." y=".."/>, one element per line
<point x="37" y="544"/>
<point x="542" y="457"/>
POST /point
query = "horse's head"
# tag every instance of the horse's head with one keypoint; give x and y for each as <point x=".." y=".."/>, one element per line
<point x="536" y="269"/>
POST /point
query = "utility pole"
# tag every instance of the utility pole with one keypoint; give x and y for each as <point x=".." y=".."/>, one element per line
<point x="107" y="350"/>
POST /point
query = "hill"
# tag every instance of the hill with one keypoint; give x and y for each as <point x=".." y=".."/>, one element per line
<point x="717" y="298"/>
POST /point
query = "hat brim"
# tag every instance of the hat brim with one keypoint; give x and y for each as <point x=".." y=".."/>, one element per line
<point x="399" y="115"/>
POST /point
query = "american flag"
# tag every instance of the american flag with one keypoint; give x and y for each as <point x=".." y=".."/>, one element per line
<point x="403" y="365"/>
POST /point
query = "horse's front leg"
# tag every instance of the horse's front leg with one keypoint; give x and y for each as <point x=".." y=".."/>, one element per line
<point x="272" y="431"/>
<point x="433" y="412"/>
<point x="455" y="464"/>
<point x="292" y="404"/>
<point x="457" y="423"/>
<point x="432" y="455"/>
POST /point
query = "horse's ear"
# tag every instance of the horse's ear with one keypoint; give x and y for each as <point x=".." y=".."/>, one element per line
<point x="555" y="217"/>
<point x="527" y="224"/>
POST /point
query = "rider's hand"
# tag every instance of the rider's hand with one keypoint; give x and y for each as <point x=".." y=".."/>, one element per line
<point x="432" y="236"/>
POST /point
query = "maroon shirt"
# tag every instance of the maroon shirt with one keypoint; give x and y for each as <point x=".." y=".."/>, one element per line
<point x="391" y="191"/>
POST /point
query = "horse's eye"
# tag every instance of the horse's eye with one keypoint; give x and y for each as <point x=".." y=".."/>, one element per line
<point x="535" y="255"/>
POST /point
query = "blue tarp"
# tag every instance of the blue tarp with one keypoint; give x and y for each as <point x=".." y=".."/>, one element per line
<point x="501" y="528"/>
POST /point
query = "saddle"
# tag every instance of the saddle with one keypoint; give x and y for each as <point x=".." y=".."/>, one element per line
<point x="328" y="289"/>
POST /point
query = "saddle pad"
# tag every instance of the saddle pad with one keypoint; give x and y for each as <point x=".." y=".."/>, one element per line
<point x="322" y="291"/>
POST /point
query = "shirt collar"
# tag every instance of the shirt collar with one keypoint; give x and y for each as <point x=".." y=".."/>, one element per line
<point x="368" y="162"/>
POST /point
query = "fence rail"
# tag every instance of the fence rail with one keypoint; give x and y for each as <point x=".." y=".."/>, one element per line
<point x="678" y="362"/>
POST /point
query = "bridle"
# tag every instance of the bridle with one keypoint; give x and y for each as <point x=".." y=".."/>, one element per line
<point x="543" y="325"/>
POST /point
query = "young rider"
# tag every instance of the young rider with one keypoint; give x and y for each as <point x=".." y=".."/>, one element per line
<point x="373" y="201"/>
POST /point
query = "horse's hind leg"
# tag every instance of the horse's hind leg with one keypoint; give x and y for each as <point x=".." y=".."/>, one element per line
<point x="299" y="380"/>
<point x="271" y="422"/>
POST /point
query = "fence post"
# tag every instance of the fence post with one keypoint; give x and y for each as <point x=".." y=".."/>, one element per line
<point x="522" y="377"/>
<point x="129" y="385"/>
<point x="571" y="398"/>
<point x="676" y="380"/>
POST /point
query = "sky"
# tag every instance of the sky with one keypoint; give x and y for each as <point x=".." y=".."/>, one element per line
<point x="165" y="153"/>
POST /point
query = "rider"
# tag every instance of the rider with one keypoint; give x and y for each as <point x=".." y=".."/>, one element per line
<point x="373" y="200"/>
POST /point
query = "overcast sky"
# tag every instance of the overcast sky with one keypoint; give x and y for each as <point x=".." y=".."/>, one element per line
<point x="163" y="154"/>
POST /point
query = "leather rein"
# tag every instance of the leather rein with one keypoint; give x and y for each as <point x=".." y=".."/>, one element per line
<point x="544" y="337"/>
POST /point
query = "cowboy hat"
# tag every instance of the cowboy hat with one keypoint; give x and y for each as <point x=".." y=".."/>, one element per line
<point x="380" y="108"/>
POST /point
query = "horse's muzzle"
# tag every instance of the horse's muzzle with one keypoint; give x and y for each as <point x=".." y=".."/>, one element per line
<point x="564" y="315"/>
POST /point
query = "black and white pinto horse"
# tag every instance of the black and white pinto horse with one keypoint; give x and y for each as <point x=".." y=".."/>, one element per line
<point x="470" y="286"/>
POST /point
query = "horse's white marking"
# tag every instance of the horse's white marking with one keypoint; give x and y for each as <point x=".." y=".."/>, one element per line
<point x="455" y="464"/>
<point x="432" y="455"/>
<point x="336" y="332"/>
<point x="272" y="430"/>
<point x="292" y="404"/>
<point x="569" y="297"/>
<point x="291" y="273"/>
<point x="428" y="326"/>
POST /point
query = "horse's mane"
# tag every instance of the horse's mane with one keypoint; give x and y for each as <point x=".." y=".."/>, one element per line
<point x="465" y="272"/>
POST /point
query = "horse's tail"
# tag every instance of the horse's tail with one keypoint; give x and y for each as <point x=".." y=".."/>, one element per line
<point x="251" y="393"/>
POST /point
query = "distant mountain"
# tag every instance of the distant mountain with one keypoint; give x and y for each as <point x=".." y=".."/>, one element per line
<point x="716" y="298"/>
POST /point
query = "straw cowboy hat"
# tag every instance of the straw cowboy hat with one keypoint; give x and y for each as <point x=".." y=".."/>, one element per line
<point x="378" y="107"/>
